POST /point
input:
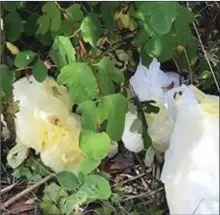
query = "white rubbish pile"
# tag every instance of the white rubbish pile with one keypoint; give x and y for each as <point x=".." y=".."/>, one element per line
<point x="187" y="129"/>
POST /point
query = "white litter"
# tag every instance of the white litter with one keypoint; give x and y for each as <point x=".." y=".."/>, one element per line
<point x="46" y="124"/>
<point x="191" y="168"/>
<point x="151" y="84"/>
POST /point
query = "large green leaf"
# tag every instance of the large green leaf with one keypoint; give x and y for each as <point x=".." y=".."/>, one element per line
<point x="107" y="74"/>
<point x="159" y="15"/>
<point x="89" y="115"/>
<point x="68" y="180"/>
<point x="163" y="16"/>
<point x="91" y="29"/>
<point x="39" y="70"/>
<point x="24" y="58"/>
<point x="62" y="51"/>
<point x="113" y="109"/>
<point x="94" y="145"/>
<point x="80" y="81"/>
<point x="13" y="26"/>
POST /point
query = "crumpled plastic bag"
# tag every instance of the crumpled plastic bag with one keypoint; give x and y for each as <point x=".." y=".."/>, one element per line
<point x="151" y="84"/>
<point x="132" y="140"/>
<point x="39" y="103"/>
<point x="46" y="124"/>
<point x="191" y="169"/>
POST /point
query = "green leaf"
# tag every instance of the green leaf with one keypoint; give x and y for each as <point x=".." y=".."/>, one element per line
<point x="50" y="9"/>
<point x="87" y="165"/>
<point x="113" y="108"/>
<point x="31" y="25"/>
<point x="94" y="145"/>
<point x="13" y="26"/>
<point x="169" y="42"/>
<point x="24" y="58"/>
<point x="108" y="10"/>
<point x="89" y="115"/>
<point x="91" y="29"/>
<point x="75" y="13"/>
<point x="53" y="192"/>
<point x="163" y="16"/>
<point x="149" y="108"/>
<point x="62" y="51"/>
<point x="154" y="47"/>
<point x="159" y="15"/>
<point x="102" y="189"/>
<point x="136" y="126"/>
<point x="67" y="180"/>
<point x="43" y="24"/>
<point x="107" y="75"/>
<point x="67" y="27"/>
<point x="80" y="81"/>
<point x="7" y="77"/>
<point x="142" y="37"/>
<point x="149" y="157"/>
<point x="39" y="70"/>
<point x="49" y="208"/>
<point x="17" y="155"/>
<point x="94" y="188"/>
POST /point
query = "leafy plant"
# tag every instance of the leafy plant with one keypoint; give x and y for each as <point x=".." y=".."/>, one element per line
<point x="66" y="40"/>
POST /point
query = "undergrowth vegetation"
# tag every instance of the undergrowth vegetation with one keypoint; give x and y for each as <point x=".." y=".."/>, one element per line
<point x="93" y="48"/>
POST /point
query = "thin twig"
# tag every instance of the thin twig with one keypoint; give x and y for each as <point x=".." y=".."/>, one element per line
<point x="26" y="191"/>
<point x="144" y="194"/>
<point x="8" y="188"/>
<point x="188" y="63"/>
<point x="130" y="179"/>
<point x="25" y="68"/>
<point x="205" y="54"/>
<point x="178" y="69"/>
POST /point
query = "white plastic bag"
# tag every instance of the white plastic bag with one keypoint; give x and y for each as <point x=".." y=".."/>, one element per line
<point x="191" y="168"/>
<point x="38" y="103"/>
<point x="45" y="123"/>
<point x="132" y="140"/>
<point x="150" y="84"/>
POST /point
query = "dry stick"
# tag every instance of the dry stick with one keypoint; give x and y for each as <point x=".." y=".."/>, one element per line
<point x="178" y="69"/>
<point x="205" y="54"/>
<point x="130" y="179"/>
<point x="143" y="194"/>
<point x="26" y="191"/>
<point x="188" y="63"/>
<point x="7" y="189"/>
